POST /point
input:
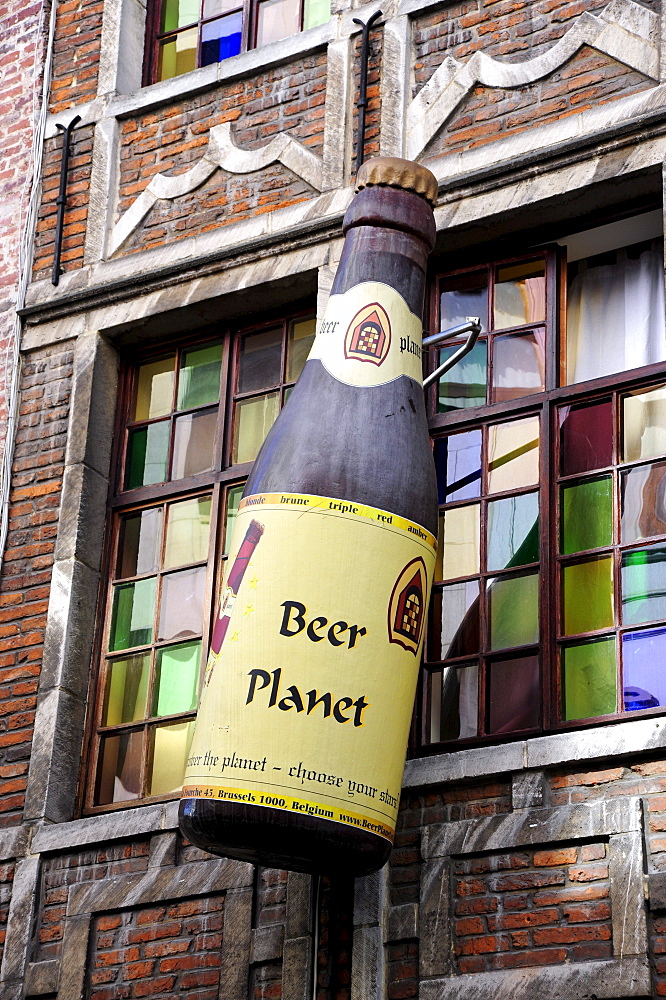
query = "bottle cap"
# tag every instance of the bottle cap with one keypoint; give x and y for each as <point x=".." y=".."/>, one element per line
<point x="390" y="171"/>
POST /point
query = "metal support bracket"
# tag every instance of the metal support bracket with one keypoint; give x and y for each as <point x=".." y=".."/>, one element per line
<point x="471" y="326"/>
<point x="362" y="102"/>
<point x="61" y="200"/>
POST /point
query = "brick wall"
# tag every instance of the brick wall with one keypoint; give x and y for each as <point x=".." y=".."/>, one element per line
<point x="514" y="30"/>
<point x="26" y="570"/>
<point x="76" y="53"/>
<point x="76" y="211"/>
<point x="288" y="98"/>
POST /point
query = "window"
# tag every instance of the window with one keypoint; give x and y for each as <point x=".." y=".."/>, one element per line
<point x="193" y="417"/>
<point x="549" y="603"/>
<point x="186" y="34"/>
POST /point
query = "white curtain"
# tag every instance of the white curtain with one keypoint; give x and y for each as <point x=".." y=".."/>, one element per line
<point x="615" y="317"/>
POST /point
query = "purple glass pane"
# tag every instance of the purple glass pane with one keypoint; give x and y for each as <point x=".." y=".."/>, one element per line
<point x="514" y="695"/>
<point x="644" y="663"/>
<point x="586" y="438"/>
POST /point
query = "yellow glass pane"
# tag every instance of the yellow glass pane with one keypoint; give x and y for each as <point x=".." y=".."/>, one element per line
<point x="588" y="596"/>
<point x="513" y="455"/>
<point x="188" y="528"/>
<point x="171" y="745"/>
<point x="154" y="392"/>
<point x="644" y="417"/>
<point x="459" y="543"/>
<point x="179" y="55"/>
<point x="254" y="419"/>
<point x="301" y="339"/>
<point x="126" y="690"/>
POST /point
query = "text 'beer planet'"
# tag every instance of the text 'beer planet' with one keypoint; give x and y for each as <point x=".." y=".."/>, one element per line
<point x="299" y="744"/>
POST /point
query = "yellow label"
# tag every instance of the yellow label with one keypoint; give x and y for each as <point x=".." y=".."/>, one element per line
<point x="369" y="336"/>
<point x="308" y="699"/>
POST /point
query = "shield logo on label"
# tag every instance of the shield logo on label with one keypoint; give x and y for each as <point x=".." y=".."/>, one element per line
<point x="368" y="336"/>
<point x="406" y="612"/>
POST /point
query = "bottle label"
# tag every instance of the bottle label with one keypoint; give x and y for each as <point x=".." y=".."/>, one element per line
<point x="369" y="336"/>
<point x="308" y="703"/>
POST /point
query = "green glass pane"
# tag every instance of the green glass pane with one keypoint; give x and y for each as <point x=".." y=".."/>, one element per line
<point x="316" y="12"/>
<point x="458" y="549"/>
<point x="194" y="444"/>
<point x="132" y="614"/>
<point x="170" y="746"/>
<point x="147" y="451"/>
<point x="588" y="595"/>
<point x="179" y="55"/>
<point x="126" y="690"/>
<point x="513" y="531"/>
<point x="513" y="455"/>
<point x="178" y="13"/>
<point x="644" y="585"/>
<point x="514" y="611"/>
<point x="154" y="390"/>
<point x="188" y="529"/>
<point x="643" y="492"/>
<point x="520" y="294"/>
<point x="301" y="333"/>
<point x="199" y="377"/>
<point x="644" y="420"/>
<point x="589" y="680"/>
<point x="176" y="679"/>
<point x="139" y="543"/>
<point x="119" y="768"/>
<point x="254" y="419"/>
<point x="587" y="515"/>
<point x="465" y="384"/>
<point x="234" y="495"/>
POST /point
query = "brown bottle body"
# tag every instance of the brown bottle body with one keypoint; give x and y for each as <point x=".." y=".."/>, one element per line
<point x="365" y="445"/>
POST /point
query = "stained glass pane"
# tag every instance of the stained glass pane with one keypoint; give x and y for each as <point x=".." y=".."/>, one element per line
<point x="458" y="553"/>
<point x="463" y="296"/>
<point x="644" y="418"/>
<point x="518" y="365"/>
<point x="586" y="438"/>
<point x="147" y="451"/>
<point x="199" y="377"/>
<point x="277" y="19"/>
<point x="212" y="8"/>
<point x="301" y="335"/>
<point x="454" y="621"/>
<point x="254" y="419"/>
<point x="644" y="585"/>
<point x="221" y="39"/>
<point x="176" y="679"/>
<point x="260" y="361"/>
<point x="178" y="55"/>
<point x="181" y="610"/>
<point x="171" y="746"/>
<point x="513" y="455"/>
<point x="588" y="595"/>
<point x="234" y="494"/>
<point x="520" y="294"/>
<point x="178" y="13"/>
<point x="188" y="529"/>
<point x="465" y="384"/>
<point x="587" y="515"/>
<point x="513" y="531"/>
<point x="194" y="444"/>
<point x="514" y="611"/>
<point x="126" y="690"/>
<point x="458" y="466"/>
<point x="454" y="702"/>
<point x="132" y="614"/>
<point x="154" y="390"/>
<point x="644" y="669"/>
<point x="139" y="543"/>
<point x="643" y="493"/>
<point x="589" y="679"/>
<point x="316" y="12"/>
<point x="515" y="695"/>
<point x="119" y="768"/>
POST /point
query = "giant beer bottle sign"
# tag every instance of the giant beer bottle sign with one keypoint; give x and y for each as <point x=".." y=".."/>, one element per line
<point x="310" y="682"/>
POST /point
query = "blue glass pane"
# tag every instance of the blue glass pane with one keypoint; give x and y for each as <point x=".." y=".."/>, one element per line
<point x="458" y="465"/>
<point x="221" y="39"/>
<point x="644" y="661"/>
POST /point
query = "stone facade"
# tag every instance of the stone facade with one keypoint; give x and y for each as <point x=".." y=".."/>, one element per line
<point x="526" y="869"/>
